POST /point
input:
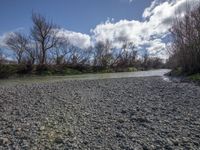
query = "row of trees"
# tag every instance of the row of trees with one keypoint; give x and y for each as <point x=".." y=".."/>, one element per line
<point x="185" y="48"/>
<point x="34" y="48"/>
<point x="43" y="47"/>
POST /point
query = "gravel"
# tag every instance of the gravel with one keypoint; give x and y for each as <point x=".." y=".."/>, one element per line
<point x="111" y="114"/>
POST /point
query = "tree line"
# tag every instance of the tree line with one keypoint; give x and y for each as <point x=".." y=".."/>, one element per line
<point x="185" y="48"/>
<point x="43" y="48"/>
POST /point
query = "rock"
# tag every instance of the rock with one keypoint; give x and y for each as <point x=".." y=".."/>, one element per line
<point x="145" y="147"/>
<point x="175" y="142"/>
<point x="18" y="130"/>
<point x="138" y="147"/>
<point x="58" y="140"/>
<point x="131" y="95"/>
<point x="120" y="135"/>
<point x="169" y="141"/>
<point x="121" y="120"/>
<point x="85" y="142"/>
<point x="168" y="147"/>
<point x="123" y="111"/>
<point x="4" y="141"/>
<point x="69" y="132"/>
<point x="25" y="144"/>
<point x="42" y="128"/>
<point x="140" y="120"/>
<point x="99" y="114"/>
<point x="196" y="143"/>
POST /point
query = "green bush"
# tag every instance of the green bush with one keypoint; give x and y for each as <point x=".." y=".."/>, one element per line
<point x="176" y="72"/>
<point x="55" y="70"/>
<point x="69" y="71"/>
<point x="7" y="70"/>
<point x="108" y="70"/>
<point x="132" y="69"/>
<point x="24" y="69"/>
<point x="42" y="70"/>
<point x="195" y="77"/>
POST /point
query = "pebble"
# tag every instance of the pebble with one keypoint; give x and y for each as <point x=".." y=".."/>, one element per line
<point x="101" y="114"/>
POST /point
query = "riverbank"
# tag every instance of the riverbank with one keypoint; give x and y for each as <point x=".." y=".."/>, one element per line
<point x="43" y="79"/>
<point x="127" y="113"/>
<point x="22" y="70"/>
<point x="178" y="76"/>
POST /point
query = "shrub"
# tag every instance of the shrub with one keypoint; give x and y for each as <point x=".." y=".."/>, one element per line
<point x="7" y="70"/>
<point x="132" y="69"/>
<point x="186" y="44"/>
<point x="55" y="70"/>
<point x="42" y="70"/>
<point x="195" y="77"/>
<point x="24" y="69"/>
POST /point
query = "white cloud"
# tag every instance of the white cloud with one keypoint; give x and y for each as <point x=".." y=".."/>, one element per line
<point x="150" y="32"/>
<point x="6" y="35"/>
<point x="75" y="38"/>
<point x="3" y="39"/>
<point x="130" y="1"/>
<point x="157" y="48"/>
<point x="148" y="10"/>
<point x="116" y="32"/>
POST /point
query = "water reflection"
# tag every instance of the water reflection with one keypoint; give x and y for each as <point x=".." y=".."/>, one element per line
<point x="150" y="73"/>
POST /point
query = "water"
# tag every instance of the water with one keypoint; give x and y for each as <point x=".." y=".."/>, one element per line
<point x="150" y="73"/>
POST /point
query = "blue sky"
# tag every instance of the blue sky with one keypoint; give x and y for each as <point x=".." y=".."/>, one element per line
<point x="76" y="15"/>
<point x="146" y="23"/>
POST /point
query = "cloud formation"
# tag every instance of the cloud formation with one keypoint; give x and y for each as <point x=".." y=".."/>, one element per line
<point x="6" y="35"/>
<point x="3" y="39"/>
<point x="75" y="38"/>
<point x="151" y="32"/>
<point x="148" y="34"/>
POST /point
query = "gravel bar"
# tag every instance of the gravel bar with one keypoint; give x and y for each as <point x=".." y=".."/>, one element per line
<point x="144" y="113"/>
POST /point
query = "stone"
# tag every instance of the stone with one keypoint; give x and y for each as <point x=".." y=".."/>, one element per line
<point x="4" y="141"/>
<point x="58" y="140"/>
<point x="42" y="128"/>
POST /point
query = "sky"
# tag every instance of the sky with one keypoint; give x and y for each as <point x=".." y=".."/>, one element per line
<point x="146" y="23"/>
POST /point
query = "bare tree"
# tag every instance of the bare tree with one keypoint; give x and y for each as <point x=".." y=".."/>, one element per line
<point x="186" y="41"/>
<point x="145" y="59"/>
<point x="133" y="53"/>
<point x="60" y="52"/>
<point x="78" y="56"/>
<point x="103" y="54"/>
<point x="18" y="43"/>
<point x="126" y="56"/>
<point x="45" y="35"/>
<point x="31" y="54"/>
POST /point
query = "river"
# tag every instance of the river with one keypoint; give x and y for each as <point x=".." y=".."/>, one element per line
<point x="38" y="79"/>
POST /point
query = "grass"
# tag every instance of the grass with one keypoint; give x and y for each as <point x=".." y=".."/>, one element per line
<point x="195" y="77"/>
<point x="22" y="70"/>
<point x="176" y="72"/>
<point x="14" y="70"/>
